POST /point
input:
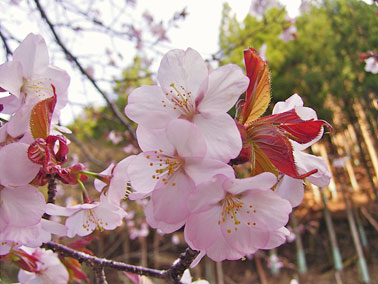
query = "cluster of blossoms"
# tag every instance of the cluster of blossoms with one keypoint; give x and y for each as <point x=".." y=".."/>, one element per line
<point x="190" y="144"/>
<point x="185" y="174"/>
<point x="33" y="151"/>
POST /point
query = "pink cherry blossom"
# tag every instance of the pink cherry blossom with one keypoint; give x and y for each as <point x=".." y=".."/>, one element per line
<point x="15" y="167"/>
<point x="189" y="91"/>
<point x="49" y="269"/>
<point x="290" y="188"/>
<point x="115" y="189"/>
<point x="173" y="162"/>
<point x="231" y="218"/>
<point x="29" y="79"/>
<point x="83" y="219"/>
<point x="372" y="64"/>
<point x="289" y="34"/>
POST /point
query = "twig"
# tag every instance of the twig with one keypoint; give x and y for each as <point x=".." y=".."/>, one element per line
<point x="5" y="43"/>
<point x="175" y="272"/>
<point x="51" y="192"/>
<point x="369" y="218"/>
<point x="100" y="275"/>
<point x="172" y="275"/>
<point x="111" y="104"/>
<point x="96" y="262"/>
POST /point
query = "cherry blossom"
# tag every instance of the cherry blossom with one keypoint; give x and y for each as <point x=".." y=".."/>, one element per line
<point x="49" y="268"/>
<point x="292" y="188"/>
<point x="30" y="79"/>
<point x="289" y="33"/>
<point x="16" y="169"/>
<point x="189" y="91"/>
<point x="372" y="64"/>
<point x="84" y="218"/>
<point x="231" y="218"/>
<point x="173" y="162"/>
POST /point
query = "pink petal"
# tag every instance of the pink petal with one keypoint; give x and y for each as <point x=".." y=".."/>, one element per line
<point x="292" y="102"/>
<point x="176" y="194"/>
<point x="182" y="68"/>
<point x="22" y="206"/>
<point x="118" y="183"/>
<point x="291" y="189"/>
<point x="10" y="103"/>
<point x="221" y="135"/>
<point x="15" y="167"/>
<point x="225" y="86"/>
<point x="145" y="107"/>
<point x="266" y="209"/>
<point x="221" y="250"/>
<point x="186" y="138"/>
<point x="261" y="182"/>
<point x="56" y="210"/>
<point x="161" y="225"/>
<point x="202" y="229"/>
<point x="243" y="238"/>
<point x="32" y="54"/>
<point x="54" y="227"/>
<point x="203" y="170"/>
<point x="306" y="162"/>
<point x="207" y="195"/>
<point x="277" y="238"/>
<point x="11" y="77"/>
<point x="141" y="173"/>
<point x="150" y="139"/>
<point x="98" y="184"/>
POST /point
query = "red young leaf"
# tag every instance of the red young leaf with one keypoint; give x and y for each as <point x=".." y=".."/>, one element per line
<point x="295" y="128"/>
<point x="257" y="96"/>
<point x="41" y="115"/>
<point x="275" y="146"/>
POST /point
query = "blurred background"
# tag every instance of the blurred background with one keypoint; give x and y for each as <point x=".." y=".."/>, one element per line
<point x="326" y="51"/>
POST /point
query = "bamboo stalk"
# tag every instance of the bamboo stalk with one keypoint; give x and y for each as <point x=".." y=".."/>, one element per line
<point x="356" y="240"/>
<point x="337" y="260"/>
<point x="301" y="257"/>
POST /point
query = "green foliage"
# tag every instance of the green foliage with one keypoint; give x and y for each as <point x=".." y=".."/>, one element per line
<point x="322" y="62"/>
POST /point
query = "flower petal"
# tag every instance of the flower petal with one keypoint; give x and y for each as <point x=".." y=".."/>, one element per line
<point x="150" y="139"/>
<point x="182" y="68"/>
<point x="225" y="86"/>
<point x="15" y="167"/>
<point x="175" y="194"/>
<point x="186" y="138"/>
<point x="22" y="206"/>
<point x="221" y="135"/>
<point x="145" y="107"/>
<point x="202" y="229"/>
<point x="32" y="54"/>
<point x="161" y="225"/>
<point x="291" y="189"/>
<point x="267" y="209"/>
<point x="261" y="182"/>
<point x="11" y="77"/>
<point x="203" y="170"/>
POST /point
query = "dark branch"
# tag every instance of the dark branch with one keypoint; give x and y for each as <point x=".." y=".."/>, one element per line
<point x="172" y="275"/>
<point x="5" y="43"/>
<point x="175" y="272"/>
<point x="69" y="55"/>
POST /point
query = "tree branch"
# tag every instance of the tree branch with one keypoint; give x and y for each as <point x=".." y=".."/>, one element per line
<point x="172" y="275"/>
<point x="111" y="104"/>
<point x="5" y="43"/>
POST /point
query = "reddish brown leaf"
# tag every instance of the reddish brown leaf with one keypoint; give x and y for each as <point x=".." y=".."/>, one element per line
<point x="258" y="95"/>
<point x="276" y="148"/>
<point x="41" y="115"/>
